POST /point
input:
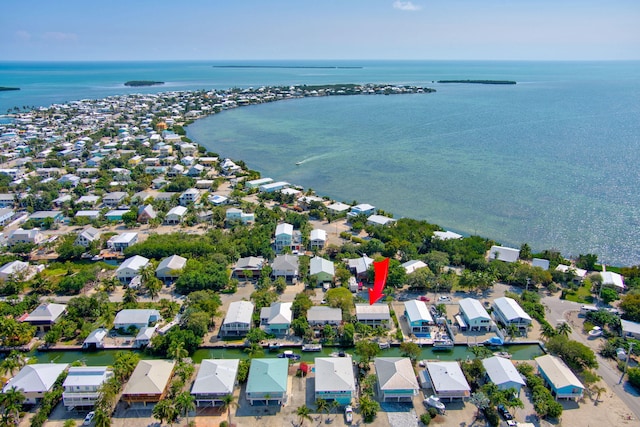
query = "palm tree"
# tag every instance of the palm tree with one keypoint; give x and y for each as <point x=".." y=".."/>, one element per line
<point x="480" y="400"/>
<point x="564" y="329"/>
<point x="177" y="351"/>
<point x="333" y="405"/>
<point x="547" y="331"/>
<point x="185" y="403"/>
<point x="598" y="390"/>
<point x="303" y="413"/>
<point x="153" y="285"/>
<point x="228" y="402"/>
<point x="164" y="410"/>
<point x="102" y="418"/>
<point x="130" y="298"/>
<point x="368" y="408"/>
<point x="512" y="331"/>
<point x="322" y="406"/>
<point x="11" y="401"/>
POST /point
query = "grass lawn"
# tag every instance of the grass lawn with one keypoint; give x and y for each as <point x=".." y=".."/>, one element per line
<point x="583" y="294"/>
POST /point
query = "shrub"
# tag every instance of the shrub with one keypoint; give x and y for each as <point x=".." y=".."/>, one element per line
<point x="492" y="417"/>
<point x="425" y="419"/>
<point x="224" y="424"/>
<point x="634" y="377"/>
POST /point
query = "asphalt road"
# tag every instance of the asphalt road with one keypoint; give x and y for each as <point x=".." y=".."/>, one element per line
<point x="610" y="375"/>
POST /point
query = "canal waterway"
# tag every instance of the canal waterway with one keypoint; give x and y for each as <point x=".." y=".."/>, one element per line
<point x="106" y="357"/>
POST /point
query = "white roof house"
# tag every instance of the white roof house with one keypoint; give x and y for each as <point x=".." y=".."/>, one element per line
<point x="334" y="379"/>
<point x="509" y="312"/>
<point x="563" y="382"/>
<point x="374" y="315"/>
<point x="609" y="278"/>
<point x="396" y="380"/>
<point x="131" y="267"/>
<point x="338" y="207"/>
<point x="238" y="319"/>
<point x="448" y="380"/>
<point x="276" y="319"/>
<point x="95" y="339"/>
<point x="13" y="268"/>
<point x="540" y="262"/>
<point x="322" y="269"/>
<point x="168" y="267"/>
<point x="578" y="272"/>
<point x="45" y="315"/>
<point x="630" y="329"/>
<point x="474" y="314"/>
<point x="417" y="312"/>
<point x="216" y="379"/>
<point x="360" y="265"/>
<point x="413" y="265"/>
<point x="503" y="373"/>
<point x="175" y="214"/>
<point x="82" y="385"/>
<point x="502" y="253"/>
<point x="139" y="318"/>
<point x="149" y="381"/>
<point x="35" y="380"/>
<point x="380" y="220"/>
<point x="322" y="315"/>
<point x="446" y="235"/>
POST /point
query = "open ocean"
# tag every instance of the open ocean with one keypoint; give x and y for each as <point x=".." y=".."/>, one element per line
<point x="552" y="161"/>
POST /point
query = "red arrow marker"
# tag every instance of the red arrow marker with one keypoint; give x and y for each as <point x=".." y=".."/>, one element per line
<point x="381" y="270"/>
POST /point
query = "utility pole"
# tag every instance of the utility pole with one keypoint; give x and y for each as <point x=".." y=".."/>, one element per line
<point x="626" y="363"/>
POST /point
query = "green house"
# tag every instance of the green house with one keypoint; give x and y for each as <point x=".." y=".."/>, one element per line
<point x="267" y="383"/>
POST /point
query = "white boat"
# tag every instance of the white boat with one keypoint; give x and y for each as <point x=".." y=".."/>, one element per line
<point x="312" y="347"/>
<point x="442" y="344"/>
<point x="384" y="345"/>
<point x="338" y="354"/>
<point x="288" y="354"/>
<point x="434" y="402"/>
<point x="503" y="354"/>
<point x="595" y="332"/>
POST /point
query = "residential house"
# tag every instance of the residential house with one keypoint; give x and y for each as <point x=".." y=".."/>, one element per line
<point x="248" y="267"/>
<point x="7" y="200"/>
<point x="276" y="319"/>
<point x="272" y="187"/>
<point x="195" y="170"/>
<point x="503" y="373"/>
<point x="578" y="273"/>
<point x="16" y="269"/>
<point x="81" y="388"/>
<point x="33" y="236"/>
<point x="175" y="215"/>
<point x="338" y="208"/>
<point x="283" y="236"/>
<point x="334" y="379"/>
<point x="557" y="375"/>
<point x="236" y="215"/>
<point x="447" y="380"/>
<point x="188" y="196"/>
<point x="216" y="379"/>
<point x="170" y="268"/>
<point x="418" y="317"/>
<point x="146" y="213"/>
<point x="87" y="236"/>
<point x="374" y="315"/>
<point x="308" y="202"/>
<point x="285" y="266"/>
<point x="322" y="270"/>
<point x="613" y="280"/>
<point x="217" y="199"/>
<point x="88" y="200"/>
<point x="45" y="315"/>
<point x="149" y="382"/>
<point x="267" y="382"/>
<point x="508" y="312"/>
<point x="95" y="340"/>
<point x="396" y="379"/>
<point x="446" y="235"/>
<point x="255" y="183"/>
<point x="540" y="262"/>
<point x="40" y="218"/>
<point x="317" y="239"/>
<point x="630" y="329"/>
<point x="91" y="215"/>
<point x="114" y="199"/>
<point x="35" y="380"/>
<point x="502" y="253"/>
<point x="130" y="268"/>
<point x="115" y="215"/>
<point x="319" y="316"/>
<point x="120" y="242"/>
<point x="238" y="320"/>
<point x="137" y="318"/>
<point x="361" y="209"/>
<point x="413" y="265"/>
<point x="474" y="314"/>
<point x="360" y="266"/>
<point x="5" y="216"/>
<point x="144" y="336"/>
<point x="380" y="220"/>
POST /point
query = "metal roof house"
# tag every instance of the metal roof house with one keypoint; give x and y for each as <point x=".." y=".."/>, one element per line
<point x="396" y="380"/>
<point x="374" y="315"/>
<point x="248" y="267"/>
<point x="474" y="314"/>
<point x="169" y="268"/>
<point x="268" y="381"/>
<point x="359" y="266"/>
<point x="35" y="380"/>
<point x="286" y="266"/>
<point x="614" y="280"/>
<point x="508" y="311"/>
<point x="139" y="318"/>
<point x="413" y="265"/>
<point x="317" y="239"/>
<point x="149" y="382"/>
<point x="335" y="379"/>
<point x="418" y="316"/>
<point x="321" y="315"/>
<point x="238" y="319"/>
<point x="283" y="236"/>
<point x="562" y="381"/>
<point x="216" y="379"/>
<point x="630" y="329"/>
<point x="82" y="385"/>
<point x="276" y="319"/>
<point x="448" y="380"/>
<point x="95" y="339"/>
<point x="502" y="253"/>
<point x="322" y="269"/>
<point x="503" y="373"/>
<point x="131" y="267"/>
<point x="16" y="269"/>
<point x="45" y="315"/>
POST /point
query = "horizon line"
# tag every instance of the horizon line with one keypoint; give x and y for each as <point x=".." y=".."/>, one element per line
<point x="312" y="59"/>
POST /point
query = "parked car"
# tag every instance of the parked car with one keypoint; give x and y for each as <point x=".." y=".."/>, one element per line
<point x="444" y="298"/>
<point x="504" y="412"/>
<point x="424" y="299"/>
<point x="348" y="414"/>
<point x="88" y="418"/>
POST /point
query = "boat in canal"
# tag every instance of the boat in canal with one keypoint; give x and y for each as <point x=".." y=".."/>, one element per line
<point x="312" y="347"/>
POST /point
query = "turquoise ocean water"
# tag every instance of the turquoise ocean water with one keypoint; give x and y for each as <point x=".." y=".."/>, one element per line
<point x="552" y="161"/>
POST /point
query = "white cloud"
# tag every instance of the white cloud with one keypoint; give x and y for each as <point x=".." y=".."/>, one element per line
<point x="60" y="36"/>
<point x="406" y="5"/>
<point x="23" y="36"/>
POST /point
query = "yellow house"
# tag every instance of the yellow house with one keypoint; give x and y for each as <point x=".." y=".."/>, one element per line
<point x="135" y="160"/>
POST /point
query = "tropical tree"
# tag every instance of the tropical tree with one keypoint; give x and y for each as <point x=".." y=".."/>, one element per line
<point x="102" y="418"/>
<point x="228" y="402"/>
<point x="130" y="298"/>
<point x="598" y="390"/>
<point x="254" y="351"/>
<point x="564" y="329"/>
<point x="322" y="406"/>
<point x="11" y="404"/>
<point x="69" y="423"/>
<point x="480" y="401"/>
<point x="153" y="286"/>
<point x="411" y="350"/>
<point x="303" y="412"/>
<point x="368" y="408"/>
<point x="185" y="403"/>
<point x="367" y="350"/>
<point x="165" y="411"/>
<point x="177" y="351"/>
<point x="512" y="331"/>
<point x="547" y="331"/>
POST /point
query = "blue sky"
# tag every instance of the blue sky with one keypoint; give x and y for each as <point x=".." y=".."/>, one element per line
<point x="326" y="29"/>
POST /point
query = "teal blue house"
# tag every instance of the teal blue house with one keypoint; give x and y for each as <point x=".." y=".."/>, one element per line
<point x="267" y="383"/>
